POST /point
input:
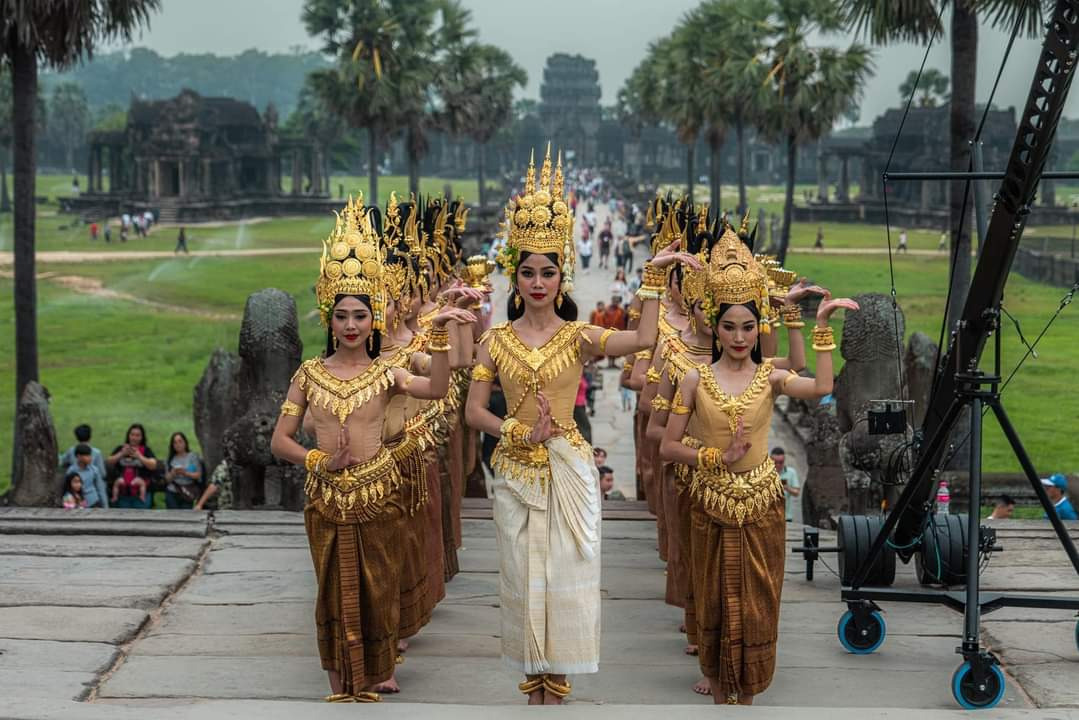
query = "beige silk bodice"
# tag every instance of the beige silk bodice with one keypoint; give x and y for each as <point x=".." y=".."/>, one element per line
<point x="554" y="368"/>
<point x="358" y="404"/>
<point x="401" y="407"/>
<point x="715" y="414"/>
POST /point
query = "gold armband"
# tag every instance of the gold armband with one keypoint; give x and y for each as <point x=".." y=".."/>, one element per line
<point x="823" y="339"/>
<point x="709" y="458"/>
<point x="677" y="408"/>
<point x="291" y="409"/>
<point x="604" y="338"/>
<point x="315" y="461"/>
<point x="634" y="314"/>
<point x="482" y="373"/>
<point x="661" y="404"/>
<point x="652" y="376"/>
<point x="438" y="339"/>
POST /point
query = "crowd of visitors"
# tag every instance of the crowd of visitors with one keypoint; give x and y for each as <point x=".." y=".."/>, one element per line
<point x="132" y="474"/>
<point x="137" y="223"/>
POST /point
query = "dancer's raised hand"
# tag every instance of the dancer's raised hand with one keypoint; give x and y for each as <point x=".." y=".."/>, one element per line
<point x="739" y="445"/>
<point x="829" y="306"/>
<point x="670" y="255"/>
<point x="341" y="458"/>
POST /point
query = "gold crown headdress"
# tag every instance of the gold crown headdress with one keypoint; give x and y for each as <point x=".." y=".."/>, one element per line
<point x="699" y="240"/>
<point x="404" y="250"/>
<point x="734" y="277"/>
<point x="540" y="221"/>
<point x="352" y="263"/>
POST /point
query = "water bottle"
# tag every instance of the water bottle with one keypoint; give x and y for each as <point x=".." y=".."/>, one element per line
<point x="944" y="498"/>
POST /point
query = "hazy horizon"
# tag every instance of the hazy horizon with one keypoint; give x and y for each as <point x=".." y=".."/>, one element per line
<point x="615" y="34"/>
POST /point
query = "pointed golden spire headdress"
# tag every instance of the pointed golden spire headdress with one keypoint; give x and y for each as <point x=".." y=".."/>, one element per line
<point x="352" y="262"/>
<point x="735" y="277"/>
<point x="540" y="220"/>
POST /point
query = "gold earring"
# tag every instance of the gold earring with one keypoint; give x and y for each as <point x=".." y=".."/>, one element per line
<point x="517" y="300"/>
<point x="693" y="323"/>
<point x="335" y="341"/>
<point x="558" y="300"/>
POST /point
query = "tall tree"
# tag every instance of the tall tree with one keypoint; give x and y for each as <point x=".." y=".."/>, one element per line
<point x="364" y="36"/>
<point x="5" y="137"/>
<point x="932" y="87"/>
<point x="886" y="21"/>
<point x="313" y="119"/>
<point x="810" y="87"/>
<point x="490" y="87"/>
<point x="70" y="115"/>
<point x="56" y="34"/>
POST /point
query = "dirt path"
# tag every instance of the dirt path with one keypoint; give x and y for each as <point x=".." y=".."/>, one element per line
<point x="94" y="288"/>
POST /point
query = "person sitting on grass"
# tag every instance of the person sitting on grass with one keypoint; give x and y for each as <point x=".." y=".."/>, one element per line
<point x="134" y="464"/>
<point x="93" y="489"/>
<point x="1056" y="487"/>
<point x="1003" y="509"/>
<point x="73" y="491"/>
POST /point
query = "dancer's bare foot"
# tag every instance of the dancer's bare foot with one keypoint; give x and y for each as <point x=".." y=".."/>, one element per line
<point x="691" y="650"/>
<point x="550" y="697"/>
<point x="702" y="687"/>
<point x="390" y="686"/>
<point x="745" y="699"/>
<point x="536" y="697"/>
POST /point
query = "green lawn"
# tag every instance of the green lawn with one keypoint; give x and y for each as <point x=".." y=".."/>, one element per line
<point x="113" y="362"/>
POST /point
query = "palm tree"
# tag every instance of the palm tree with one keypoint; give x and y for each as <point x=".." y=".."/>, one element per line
<point x="887" y="21"/>
<point x="368" y="38"/>
<point x="71" y="117"/>
<point x="811" y="87"/>
<point x="932" y="87"/>
<point x="490" y="88"/>
<point x="57" y="34"/>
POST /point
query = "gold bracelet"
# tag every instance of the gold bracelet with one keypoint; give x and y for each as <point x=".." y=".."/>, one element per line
<point x="661" y="404"/>
<point x="604" y="338"/>
<point x="792" y="313"/>
<point x="482" y="373"/>
<point x="647" y="292"/>
<point x="315" y="461"/>
<point x="823" y="339"/>
<point x="796" y="325"/>
<point x="291" y="409"/>
<point x="438" y="339"/>
<point x="709" y="458"/>
<point x="653" y="276"/>
<point x="431" y="348"/>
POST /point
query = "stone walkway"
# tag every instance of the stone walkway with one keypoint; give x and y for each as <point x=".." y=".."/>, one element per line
<point x="151" y="611"/>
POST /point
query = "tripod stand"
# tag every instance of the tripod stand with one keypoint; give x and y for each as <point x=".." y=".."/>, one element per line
<point x="978" y="682"/>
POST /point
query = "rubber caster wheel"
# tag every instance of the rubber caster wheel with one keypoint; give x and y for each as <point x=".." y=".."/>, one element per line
<point x="977" y="697"/>
<point x="864" y="641"/>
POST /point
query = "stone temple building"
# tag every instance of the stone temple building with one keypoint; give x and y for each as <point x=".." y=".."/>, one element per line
<point x="193" y="158"/>
<point x="569" y="105"/>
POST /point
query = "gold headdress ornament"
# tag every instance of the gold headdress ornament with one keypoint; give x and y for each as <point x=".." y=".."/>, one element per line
<point x="352" y="263"/>
<point x="540" y="221"/>
<point x="734" y="277"/>
<point x="400" y="280"/>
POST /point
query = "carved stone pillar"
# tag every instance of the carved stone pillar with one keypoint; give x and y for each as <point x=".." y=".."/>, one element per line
<point x="297" y="173"/>
<point x="90" y="171"/>
<point x="843" y="189"/>
<point x="822" y="175"/>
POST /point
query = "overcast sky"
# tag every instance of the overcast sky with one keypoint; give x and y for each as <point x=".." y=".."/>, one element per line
<point x="613" y="32"/>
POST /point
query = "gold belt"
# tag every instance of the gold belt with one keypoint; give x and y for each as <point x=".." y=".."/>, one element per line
<point x="737" y="498"/>
<point x="357" y="491"/>
<point x="528" y="461"/>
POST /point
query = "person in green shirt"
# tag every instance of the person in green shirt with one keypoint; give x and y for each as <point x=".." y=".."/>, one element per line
<point x="792" y="486"/>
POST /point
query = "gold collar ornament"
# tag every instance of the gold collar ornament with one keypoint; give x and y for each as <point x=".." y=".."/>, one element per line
<point x="352" y="263"/>
<point x="539" y="221"/>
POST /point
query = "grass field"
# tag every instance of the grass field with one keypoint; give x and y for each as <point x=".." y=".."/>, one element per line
<point x="110" y="362"/>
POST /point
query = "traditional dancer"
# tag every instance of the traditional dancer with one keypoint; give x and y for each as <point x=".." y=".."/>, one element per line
<point x="546" y="489"/>
<point x="355" y="510"/>
<point x="738" y="523"/>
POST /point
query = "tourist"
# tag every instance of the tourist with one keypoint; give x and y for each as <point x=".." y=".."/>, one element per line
<point x="183" y="474"/>
<point x="634" y="283"/>
<point x="356" y="506"/>
<point x="606" y="484"/>
<point x="902" y="246"/>
<point x="1003" y="508"/>
<point x="626" y="396"/>
<point x="599" y="456"/>
<point x="72" y="492"/>
<point x="82" y="437"/>
<point x="1056" y="487"/>
<point x="134" y="465"/>
<point x="942" y="244"/>
<point x="108" y="231"/>
<point x="596" y="318"/>
<point x="219" y="486"/>
<point x="93" y="231"/>
<point x="606" y="237"/>
<point x="737" y="511"/>
<point x="93" y="482"/>
<point x="618" y="287"/>
<point x="614" y="315"/>
<point x="590" y="218"/>
<point x="818" y="244"/>
<point x="792" y="486"/>
<point x="549" y="568"/>
<point x="125" y="221"/>
<point x="181" y="242"/>
<point x="584" y="246"/>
